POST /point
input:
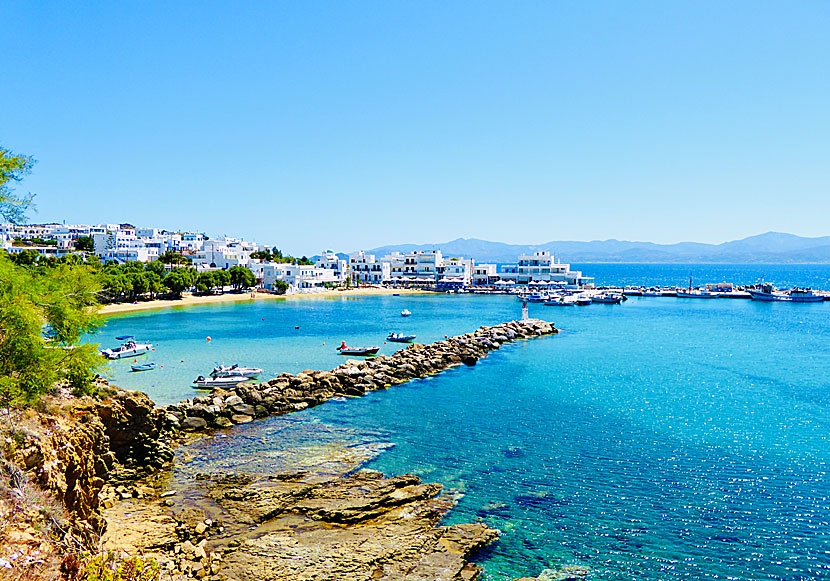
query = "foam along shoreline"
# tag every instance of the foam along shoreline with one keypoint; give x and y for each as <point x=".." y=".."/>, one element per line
<point x="191" y="300"/>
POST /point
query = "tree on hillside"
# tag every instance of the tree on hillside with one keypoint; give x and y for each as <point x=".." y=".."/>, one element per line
<point x="156" y="267"/>
<point x="171" y="257"/>
<point x="84" y="244"/>
<point x="13" y="168"/>
<point x="262" y="255"/>
<point x="32" y="359"/>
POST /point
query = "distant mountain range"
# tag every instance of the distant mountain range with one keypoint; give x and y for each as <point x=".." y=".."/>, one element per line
<point x="769" y="248"/>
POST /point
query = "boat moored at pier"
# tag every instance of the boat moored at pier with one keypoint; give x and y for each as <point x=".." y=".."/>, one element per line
<point x="767" y="293"/>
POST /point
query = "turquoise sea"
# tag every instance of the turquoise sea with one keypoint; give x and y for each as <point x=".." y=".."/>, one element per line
<point x="659" y="439"/>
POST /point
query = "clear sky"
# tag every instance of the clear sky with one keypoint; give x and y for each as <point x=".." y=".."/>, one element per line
<point x="352" y="124"/>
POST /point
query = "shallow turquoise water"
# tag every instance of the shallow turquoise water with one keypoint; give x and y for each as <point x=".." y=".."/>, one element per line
<point x="658" y="439"/>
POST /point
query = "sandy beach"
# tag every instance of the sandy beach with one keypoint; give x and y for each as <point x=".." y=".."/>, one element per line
<point x="189" y="300"/>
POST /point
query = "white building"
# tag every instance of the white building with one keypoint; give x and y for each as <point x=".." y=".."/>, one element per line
<point x="543" y="267"/>
<point x="364" y="268"/>
<point x="223" y="253"/>
<point x="456" y="272"/>
<point x="122" y="246"/>
<point x="485" y="274"/>
<point x="330" y="261"/>
<point x="419" y="267"/>
<point x="297" y="276"/>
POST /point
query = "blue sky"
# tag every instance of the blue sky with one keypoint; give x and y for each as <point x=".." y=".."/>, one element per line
<point x="354" y="124"/>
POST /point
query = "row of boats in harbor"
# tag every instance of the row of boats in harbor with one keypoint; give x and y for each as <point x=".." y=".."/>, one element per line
<point x="616" y="295"/>
<point x="563" y="299"/>
<point x="762" y="292"/>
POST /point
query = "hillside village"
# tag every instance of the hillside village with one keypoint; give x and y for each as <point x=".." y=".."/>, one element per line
<point x="124" y="243"/>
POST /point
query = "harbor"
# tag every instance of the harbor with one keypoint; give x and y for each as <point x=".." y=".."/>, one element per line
<point x="732" y="411"/>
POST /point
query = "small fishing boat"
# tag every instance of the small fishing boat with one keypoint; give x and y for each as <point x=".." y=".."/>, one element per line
<point x="696" y="294"/>
<point x="766" y="292"/>
<point x="143" y="366"/>
<point x="405" y="313"/>
<point x="398" y="338"/>
<point x="583" y="300"/>
<point x="210" y="382"/>
<point x="608" y="299"/>
<point x="560" y="302"/>
<point x="235" y="371"/>
<point x="360" y="351"/>
<point x="534" y="297"/>
<point x="128" y="349"/>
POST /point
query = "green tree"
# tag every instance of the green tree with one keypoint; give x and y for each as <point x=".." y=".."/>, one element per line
<point x="280" y="286"/>
<point x="178" y="280"/>
<point x="241" y="277"/>
<point x="156" y="285"/>
<point x="13" y="168"/>
<point x="139" y="284"/>
<point x="61" y="300"/>
<point x="116" y="286"/>
<point x="222" y="278"/>
<point x="157" y="267"/>
<point x="26" y="258"/>
<point x="171" y="257"/>
<point x="262" y="255"/>
<point x="84" y="244"/>
<point x="205" y="281"/>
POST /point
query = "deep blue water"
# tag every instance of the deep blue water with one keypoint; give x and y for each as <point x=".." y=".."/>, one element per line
<point x="815" y="276"/>
<point x="659" y="439"/>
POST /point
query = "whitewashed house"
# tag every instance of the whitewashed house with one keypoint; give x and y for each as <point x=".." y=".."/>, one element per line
<point x="485" y="274"/>
<point x="542" y="267"/>
<point x="364" y="268"/>
<point x="330" y="261"/>
<point x="297" y="276"/>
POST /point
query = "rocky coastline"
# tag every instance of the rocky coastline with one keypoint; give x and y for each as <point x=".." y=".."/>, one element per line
<point x="109" y="463"/>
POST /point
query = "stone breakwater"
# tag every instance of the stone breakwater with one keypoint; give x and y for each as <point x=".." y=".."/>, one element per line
<point x="287" y="393"/>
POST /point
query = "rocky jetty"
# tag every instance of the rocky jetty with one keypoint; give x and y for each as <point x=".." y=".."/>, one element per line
<point x="286" y="393"/>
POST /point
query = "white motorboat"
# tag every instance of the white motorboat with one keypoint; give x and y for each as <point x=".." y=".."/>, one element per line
<point x="608" y="299"/>
<point x="568" y="301"/>
<point x="405" y="313"/>
<point x="399" y="338"/>
<point x="235" y="371"/>
<point x="127" y="349"/>
<point x="211" y="382"/>
<point x="696" y="294"/>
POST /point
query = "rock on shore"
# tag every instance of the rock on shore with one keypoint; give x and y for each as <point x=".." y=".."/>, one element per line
<point x="359" y="527"/>
<point x="297" y="526"/>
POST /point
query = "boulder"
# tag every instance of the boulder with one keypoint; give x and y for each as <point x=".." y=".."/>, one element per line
<point x="193" y="423"/>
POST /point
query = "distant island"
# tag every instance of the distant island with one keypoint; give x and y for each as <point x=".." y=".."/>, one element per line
<point x="769" y="248"/>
